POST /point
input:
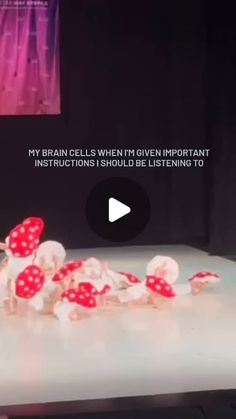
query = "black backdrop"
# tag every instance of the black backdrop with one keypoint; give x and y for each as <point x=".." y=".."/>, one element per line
<point x="143" y="73"/>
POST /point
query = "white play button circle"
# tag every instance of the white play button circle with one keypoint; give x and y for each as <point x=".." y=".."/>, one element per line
<point x="117" y="210"/>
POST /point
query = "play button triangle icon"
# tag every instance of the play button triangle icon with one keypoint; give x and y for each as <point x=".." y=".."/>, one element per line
<point x="117" y="210"/>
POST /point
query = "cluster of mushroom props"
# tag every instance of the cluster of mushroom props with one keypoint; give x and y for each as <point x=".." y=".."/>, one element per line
<point x="35" y="276"/>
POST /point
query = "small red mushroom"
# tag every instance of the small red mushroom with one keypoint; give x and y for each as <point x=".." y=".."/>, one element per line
<point x="130" y="278"/>
<point x="201" y="279"/>
<point x="36" y="223"/>
<point x="83" y="299"/>
<point x="22" y="241"/>
<point x="65" y="273"/>
<point x="29" y="282"/>
<point x="88" y="288"/>
<point x="97" y="288"/>
<point x="158" y="286"/>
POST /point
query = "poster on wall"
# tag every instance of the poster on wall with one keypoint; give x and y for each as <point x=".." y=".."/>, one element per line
<point x="29" y="57"/>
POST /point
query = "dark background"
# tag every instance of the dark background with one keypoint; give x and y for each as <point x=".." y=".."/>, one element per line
<point x="139" y="74"/>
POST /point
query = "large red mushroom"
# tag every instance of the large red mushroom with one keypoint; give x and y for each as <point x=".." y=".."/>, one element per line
<point x="22" y="241"/>
<point x="36" y="224"/>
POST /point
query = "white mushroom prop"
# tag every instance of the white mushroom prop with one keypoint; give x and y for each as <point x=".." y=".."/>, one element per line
<point x="92" y="268"/>
<point x="163" y="267"/>
<point x="201" y="279"/>
<point x="50" y="256"/>
<point x="133" y="295"/>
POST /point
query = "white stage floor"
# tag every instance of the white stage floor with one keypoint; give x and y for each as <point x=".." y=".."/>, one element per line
<point x="189" y="345"/>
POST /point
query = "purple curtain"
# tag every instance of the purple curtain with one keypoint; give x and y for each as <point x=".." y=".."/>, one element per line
<point x="29" y="57"/>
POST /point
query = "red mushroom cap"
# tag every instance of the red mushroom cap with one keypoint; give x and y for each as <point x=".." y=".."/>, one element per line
<point x="160" y="286"/>
<point x="70" y="295"/>
<point x="131" y="278"/>
<point x="30" y="282"/>
<point x="90" y="288"/>
<point x="81" y="298"/>
<point x="205" y="277"/>
<point x="87" y="287"/>
<point x="22" y="241"/>
<point x="86" y="300"/>
<point x="36" y="223"/>
<point x="67" y="270"/>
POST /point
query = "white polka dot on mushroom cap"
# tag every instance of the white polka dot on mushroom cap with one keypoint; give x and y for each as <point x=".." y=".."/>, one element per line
<point x="22" y="229"/>
<point x="167" y="288"/>
<point x="23" y="244"/>
<point x="87" y="295"/>
<point x="21" y="283"/>
<point x="37" y="280"/>
<point x="158" y="287"/>
<point x="81" y="297"/>
<point x="30" y="279"/>
<point x="151" y="281"/>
